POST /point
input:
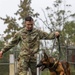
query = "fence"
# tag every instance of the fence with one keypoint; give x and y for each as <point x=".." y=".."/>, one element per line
<point x="12" y="65"/>
<point x="71" y="58"/>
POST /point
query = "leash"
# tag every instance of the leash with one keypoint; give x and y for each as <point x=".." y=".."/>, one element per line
<point x="54" y="41"/>
<point x="60" y="53"/>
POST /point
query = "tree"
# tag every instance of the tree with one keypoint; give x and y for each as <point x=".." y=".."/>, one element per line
<point x="69" y="32"/>
<point x="57" y="18"/>
<point x="12" y="27"/>
<point x="12" y="23"/>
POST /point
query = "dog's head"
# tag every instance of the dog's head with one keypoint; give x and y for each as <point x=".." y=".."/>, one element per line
<point x="45" y="62"/>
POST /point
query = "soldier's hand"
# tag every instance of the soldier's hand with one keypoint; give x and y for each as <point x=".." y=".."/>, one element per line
<point x="57" y="34"/>
<point x="1" y="53"/>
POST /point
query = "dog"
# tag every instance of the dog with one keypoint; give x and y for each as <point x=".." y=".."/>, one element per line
<point x="55" y="66"/>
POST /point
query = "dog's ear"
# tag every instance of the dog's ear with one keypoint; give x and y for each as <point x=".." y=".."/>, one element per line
<point x="45" y="56"/>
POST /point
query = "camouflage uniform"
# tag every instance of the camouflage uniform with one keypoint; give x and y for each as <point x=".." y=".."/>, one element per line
<point x="29" y="41"/>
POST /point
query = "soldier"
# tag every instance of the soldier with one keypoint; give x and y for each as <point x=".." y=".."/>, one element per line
<point x="29" y="38"/>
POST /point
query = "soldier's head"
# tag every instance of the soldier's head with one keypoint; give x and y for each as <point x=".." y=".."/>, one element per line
<point x="29" y="22"/>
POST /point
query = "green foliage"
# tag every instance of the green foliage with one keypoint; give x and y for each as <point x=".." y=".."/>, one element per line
<point x="24" y="9"/>
<point x="1" y="44"/>
<point x="12" y="27"/>
<point x="69" y="32"/>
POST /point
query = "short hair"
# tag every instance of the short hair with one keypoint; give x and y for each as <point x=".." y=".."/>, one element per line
<point x="28" y="18"/>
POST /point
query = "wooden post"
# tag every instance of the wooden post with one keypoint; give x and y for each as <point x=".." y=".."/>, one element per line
<point x="11" y="65"/>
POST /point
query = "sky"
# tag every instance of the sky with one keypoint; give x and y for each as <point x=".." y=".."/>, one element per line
<point x="9" y="7"/>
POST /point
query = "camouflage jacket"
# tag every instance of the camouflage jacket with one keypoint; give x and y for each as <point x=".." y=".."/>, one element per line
<point x="29" y="41"/>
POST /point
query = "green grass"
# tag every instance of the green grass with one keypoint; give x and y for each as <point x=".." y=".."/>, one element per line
<point x="45" y="72"/>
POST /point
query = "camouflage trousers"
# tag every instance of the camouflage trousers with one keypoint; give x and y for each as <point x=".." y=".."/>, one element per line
<point x="24" y="65"/>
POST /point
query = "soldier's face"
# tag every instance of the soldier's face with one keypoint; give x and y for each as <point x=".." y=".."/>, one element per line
<point x="29" y="25"/>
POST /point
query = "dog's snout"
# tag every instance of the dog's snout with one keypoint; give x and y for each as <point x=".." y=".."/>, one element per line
<point x="38" y="65"/>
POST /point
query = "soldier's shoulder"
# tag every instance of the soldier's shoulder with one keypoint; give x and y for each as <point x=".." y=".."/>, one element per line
<point x="37" y="30"/>
<point x="41" y="31"/>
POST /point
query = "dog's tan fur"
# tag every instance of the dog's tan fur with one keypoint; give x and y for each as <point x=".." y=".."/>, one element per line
<point x="55" y="67"/>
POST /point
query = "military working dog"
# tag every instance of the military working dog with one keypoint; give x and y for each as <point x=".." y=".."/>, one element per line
<point x="55" y="66"/>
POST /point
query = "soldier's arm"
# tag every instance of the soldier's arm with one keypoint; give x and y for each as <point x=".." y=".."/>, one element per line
<point x="14" y="42"/>
<point x="45" y="35"/>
